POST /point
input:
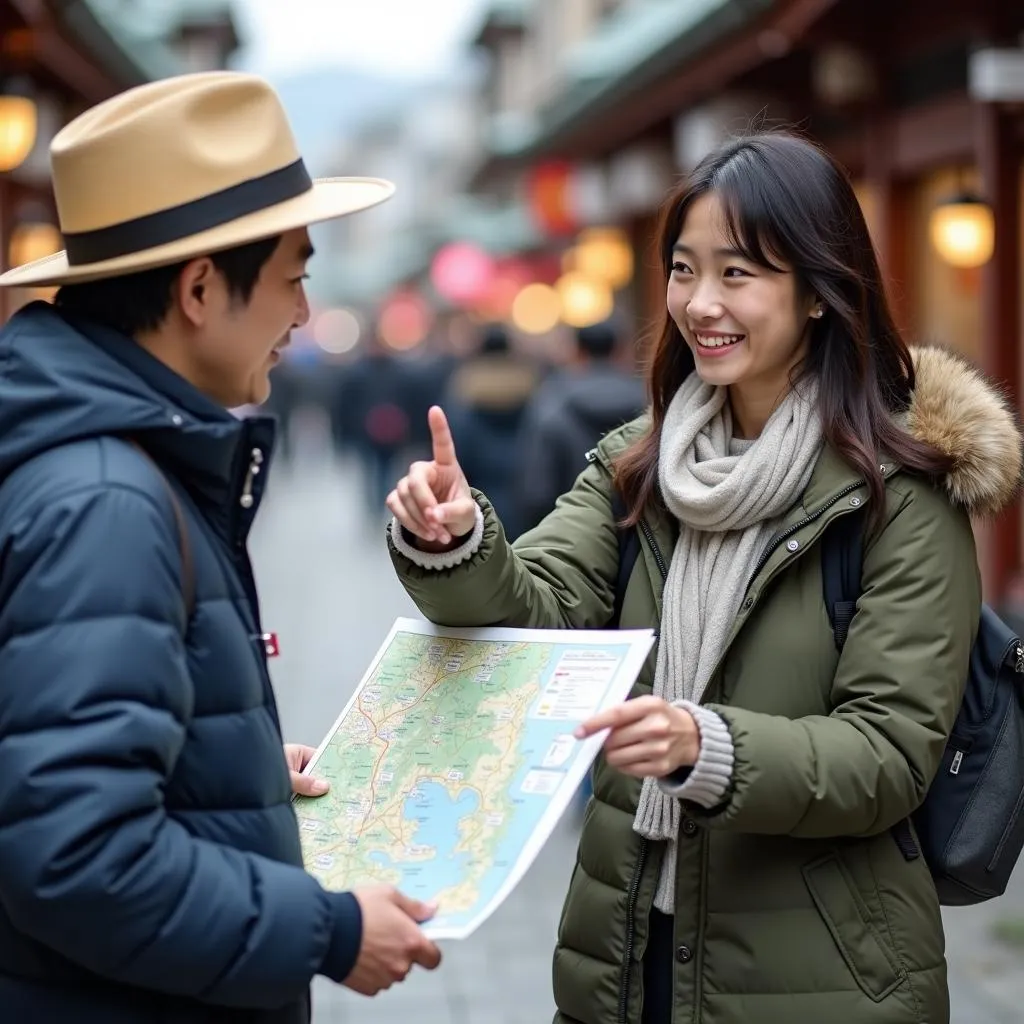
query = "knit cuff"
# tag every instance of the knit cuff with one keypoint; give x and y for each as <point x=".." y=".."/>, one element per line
<point x="708" y="782"/>
<point x="440" y="559"/>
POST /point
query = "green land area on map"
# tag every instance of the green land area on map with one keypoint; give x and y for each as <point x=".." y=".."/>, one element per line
<point x="422" y="768"/>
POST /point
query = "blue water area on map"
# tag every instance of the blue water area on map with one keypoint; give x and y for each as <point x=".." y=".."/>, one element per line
<point x="438" y="817"/>
<point x="527" y="808"/>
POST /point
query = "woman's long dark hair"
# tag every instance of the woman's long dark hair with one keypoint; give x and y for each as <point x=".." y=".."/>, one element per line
<point x="786" y="200"/>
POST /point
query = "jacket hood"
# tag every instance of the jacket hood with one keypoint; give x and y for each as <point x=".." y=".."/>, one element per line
<point x="62" y="381"/>
<point x="956" y="410"/>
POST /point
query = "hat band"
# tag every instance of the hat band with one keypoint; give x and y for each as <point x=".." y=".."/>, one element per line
<point x="187" y="219"/>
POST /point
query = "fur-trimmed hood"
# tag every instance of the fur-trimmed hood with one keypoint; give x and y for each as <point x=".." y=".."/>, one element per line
<point x="958" y="411"/>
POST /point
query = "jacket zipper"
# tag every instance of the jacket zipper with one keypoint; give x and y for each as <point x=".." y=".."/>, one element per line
<point x="655" y="550"/>
<point x="796" y="527"/>
<point x="641" y="861"/>
<point x="627" y="957"/>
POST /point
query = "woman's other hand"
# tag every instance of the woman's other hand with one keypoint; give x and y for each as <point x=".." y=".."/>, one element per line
<point x="647" y="737"/>
<point x="433" y="501"/>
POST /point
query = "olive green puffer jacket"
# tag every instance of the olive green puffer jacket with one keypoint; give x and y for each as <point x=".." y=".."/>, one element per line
<point x="794" y="904"/>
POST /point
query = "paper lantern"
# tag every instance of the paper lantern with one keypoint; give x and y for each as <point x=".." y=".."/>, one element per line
<point x="550" y="196"/>
<point x="18" y="125"/>
<point x="963" y="231"/>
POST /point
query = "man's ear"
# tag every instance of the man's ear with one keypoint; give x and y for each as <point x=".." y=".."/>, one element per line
<point x="193" y="290"/>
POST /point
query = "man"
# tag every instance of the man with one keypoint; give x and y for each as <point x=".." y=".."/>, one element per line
<point x="569" y="414"/>
<point x="150" y="867"/>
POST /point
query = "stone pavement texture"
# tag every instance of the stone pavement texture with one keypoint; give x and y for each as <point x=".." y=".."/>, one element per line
<point x="328" y="590"/>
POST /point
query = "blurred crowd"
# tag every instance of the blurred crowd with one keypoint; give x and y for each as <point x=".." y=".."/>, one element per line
<point x="508" y="410"/>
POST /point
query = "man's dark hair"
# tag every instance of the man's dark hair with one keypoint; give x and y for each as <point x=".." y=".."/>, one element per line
<point x="596" y="341"/>
<point x="140" y="302"/>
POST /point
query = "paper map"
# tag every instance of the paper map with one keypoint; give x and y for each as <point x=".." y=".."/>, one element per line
<point x="455" y="758"/>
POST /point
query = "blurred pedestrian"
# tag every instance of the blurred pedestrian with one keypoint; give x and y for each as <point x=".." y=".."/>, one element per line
<point x="571" y="411"/>
<point x="150" y="864"/>
<point x="737" y="862"/>
<point x="486" y="402"/>
<point x="370" y="405"/>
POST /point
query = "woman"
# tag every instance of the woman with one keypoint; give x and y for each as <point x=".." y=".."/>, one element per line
<point x="736" y="865"/>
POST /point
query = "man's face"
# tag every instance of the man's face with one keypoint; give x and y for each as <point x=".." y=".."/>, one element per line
<point x="238" y="343"/>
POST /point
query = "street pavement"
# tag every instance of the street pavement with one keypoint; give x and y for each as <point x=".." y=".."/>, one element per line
<point x="328" y="591"/>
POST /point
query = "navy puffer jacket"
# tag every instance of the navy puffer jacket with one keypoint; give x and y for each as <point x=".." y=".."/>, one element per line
<point x="150" y="868"/>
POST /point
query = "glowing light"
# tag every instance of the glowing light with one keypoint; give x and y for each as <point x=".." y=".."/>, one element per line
<point x="461" y="273"/>
<point x="404" y="321"/>
<point x="603" y="254"/>
<point x="18" y="126"/>
<point x="337" y="331"/>
<point x="963" y="231"/>
<point x="584" y="300"/>
<point x="536" y="309"/>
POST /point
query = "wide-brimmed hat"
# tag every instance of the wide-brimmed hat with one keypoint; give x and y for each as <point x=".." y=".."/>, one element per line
<point x="177" y="169"/>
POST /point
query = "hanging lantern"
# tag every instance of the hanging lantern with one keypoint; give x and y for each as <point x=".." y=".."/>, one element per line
<point x="549" y="187"/>
<point x="963" y="231"/>
<point x="18" y="125"/>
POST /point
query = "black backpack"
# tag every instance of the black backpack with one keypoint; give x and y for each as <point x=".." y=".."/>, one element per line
<point x="970" y="827"/>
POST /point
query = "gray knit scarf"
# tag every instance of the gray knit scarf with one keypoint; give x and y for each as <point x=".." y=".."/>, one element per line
<point x="727" y="499"/>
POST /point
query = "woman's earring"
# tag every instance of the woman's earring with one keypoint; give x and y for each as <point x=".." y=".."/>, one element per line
<point x="818" y="313"/>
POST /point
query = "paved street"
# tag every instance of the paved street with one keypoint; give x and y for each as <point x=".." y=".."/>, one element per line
<point x="328" y="591"/>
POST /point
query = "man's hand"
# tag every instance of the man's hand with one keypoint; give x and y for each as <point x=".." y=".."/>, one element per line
<point x="433" y="501"/>
<point x="298" y="756"/>
<point x="648" y="737"/>
<point x="392" y="940"/>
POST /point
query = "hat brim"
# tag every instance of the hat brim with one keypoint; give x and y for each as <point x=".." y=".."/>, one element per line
<point x="327" y="199"/>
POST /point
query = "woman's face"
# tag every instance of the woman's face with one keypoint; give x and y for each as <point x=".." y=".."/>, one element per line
<point x="746" y="325"/>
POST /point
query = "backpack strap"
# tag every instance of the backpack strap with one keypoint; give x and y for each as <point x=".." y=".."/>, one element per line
<point x="842" y="553"/>
<point x="629" y="551"/>
<point x="188" y="575"/>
